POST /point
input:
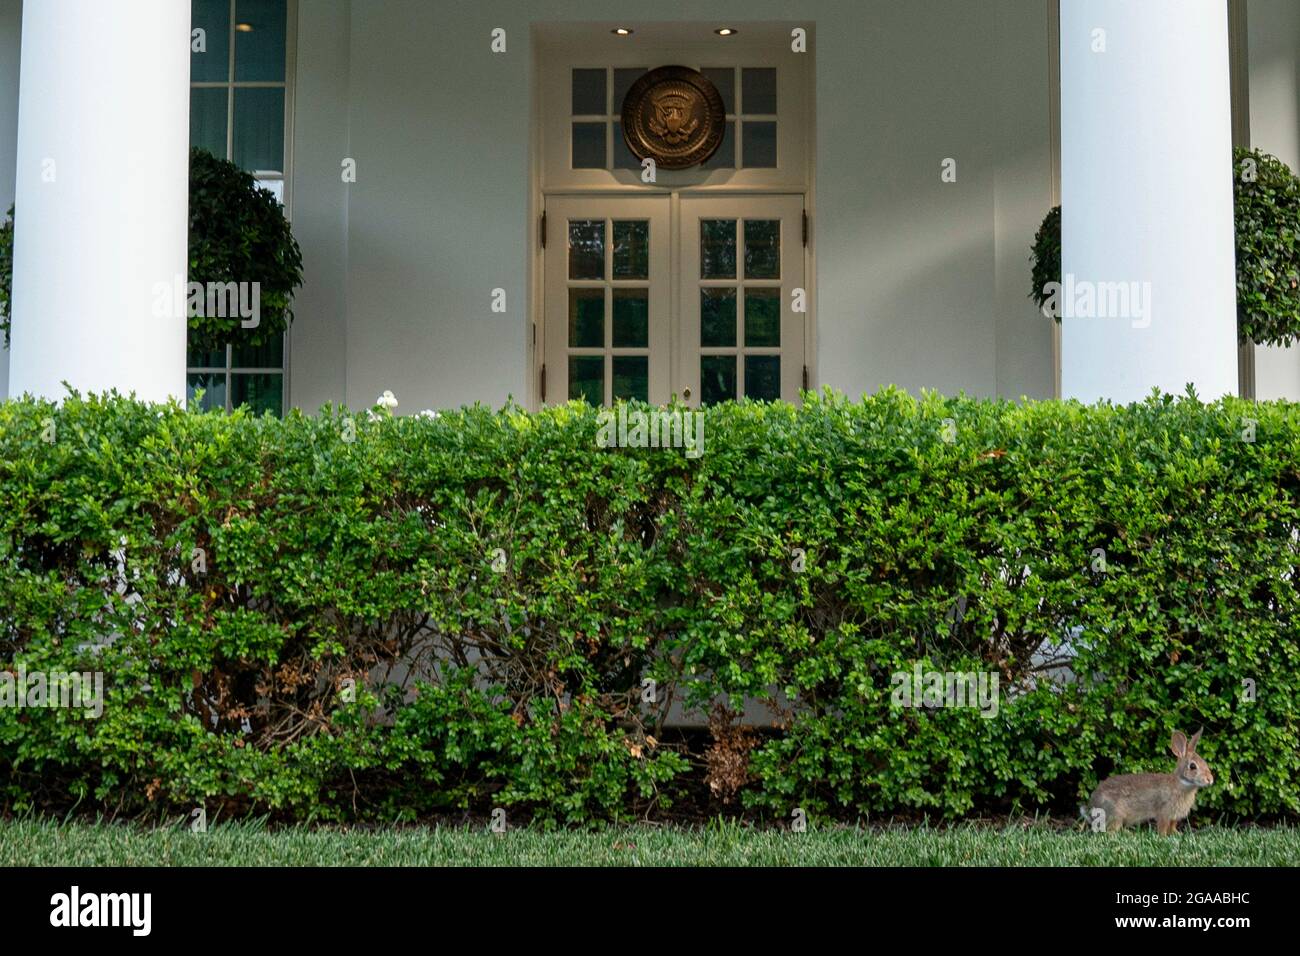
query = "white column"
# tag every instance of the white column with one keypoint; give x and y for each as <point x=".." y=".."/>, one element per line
<point x="101" y="201"/>
<point x="1146" y="199"/>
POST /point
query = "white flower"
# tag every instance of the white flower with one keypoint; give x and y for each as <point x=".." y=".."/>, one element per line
<point x="427" y="413"/>
<point x="387" y="400"/>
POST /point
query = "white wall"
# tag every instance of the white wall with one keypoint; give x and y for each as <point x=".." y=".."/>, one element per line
<point x="1274" y="43"/>
<point x="11" y="19"/>
<point x="919" y="283"/>
<point x="319" y="203"/>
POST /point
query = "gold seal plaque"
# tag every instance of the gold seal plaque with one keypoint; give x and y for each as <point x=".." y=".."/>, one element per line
<point x="673" y="115"/>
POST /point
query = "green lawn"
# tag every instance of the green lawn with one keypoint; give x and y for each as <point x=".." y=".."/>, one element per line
<point x="29" y="842"/>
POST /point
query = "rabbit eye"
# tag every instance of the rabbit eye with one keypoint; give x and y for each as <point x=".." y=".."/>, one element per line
<point x="1192" y="765"/>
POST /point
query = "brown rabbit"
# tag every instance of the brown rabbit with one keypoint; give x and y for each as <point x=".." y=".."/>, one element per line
<point x="1163" y="797"/>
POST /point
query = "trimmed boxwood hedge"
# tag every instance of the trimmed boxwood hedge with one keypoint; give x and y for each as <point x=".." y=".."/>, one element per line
<point x="393" y="618"/>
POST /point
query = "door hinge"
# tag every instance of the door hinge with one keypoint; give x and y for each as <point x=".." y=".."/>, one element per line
<point x="541" y="230"/>
<point x="805" y="378"/>
<point x="805" y="227"/>
<point x="543" y="377"/>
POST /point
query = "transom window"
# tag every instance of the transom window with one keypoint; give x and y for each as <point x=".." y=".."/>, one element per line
<point x="749" y="95"/>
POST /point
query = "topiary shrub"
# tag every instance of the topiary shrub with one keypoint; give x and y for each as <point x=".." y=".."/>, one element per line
<point x="1266" y="213"/>
<point x="357" y="617"/>
<point x="237" y="233"/>
<point x="6" y="270"/>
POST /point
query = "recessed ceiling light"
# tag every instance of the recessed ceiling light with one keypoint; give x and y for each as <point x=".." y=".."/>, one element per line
<point x="622" y="31"/>
<point x="726" y="31"/>
<point x="243" y="28"/>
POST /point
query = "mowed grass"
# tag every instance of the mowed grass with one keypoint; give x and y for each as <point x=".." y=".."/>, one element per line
<point x="45" y="843"/>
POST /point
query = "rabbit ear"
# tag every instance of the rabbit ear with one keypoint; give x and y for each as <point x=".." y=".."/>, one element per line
<point x="1178" y="743"/>
<point x="1191" y="746"/>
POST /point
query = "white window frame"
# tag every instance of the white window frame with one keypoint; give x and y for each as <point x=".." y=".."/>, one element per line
<point x="284" y="177"/>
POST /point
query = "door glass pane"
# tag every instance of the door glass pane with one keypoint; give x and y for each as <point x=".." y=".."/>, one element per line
<point x="586" y="249"/>
<point x="760" y="144"/>
<point x="589" y="92"/>
<point x="631" y="318"/>
<point x="762" y="319"/>
<point x="623" y="80"/>
<point x="724" y="78"/>
<point x="631" y="249"/>
<point x="717" y="378"/>
<point x="717" y="248"/>
<point x="259" y="129"/>
<point x="758" y="90"/>
<point x="586" y="318"/>
<point x="259" y="40"/>
<point x="717" y="317"/>
<point x="261" y="393"/>
<point x="762" y="248"/>
<point x="587" y="378"/>
<point x="212" y="65"/>
<point x="763" y="377"/>
<point x="208" y="120"/>
<point x="214" y="390"/>
<point x="588" y="145"/>
<point x="631" y="377"/>
<point x="725" y="157"/>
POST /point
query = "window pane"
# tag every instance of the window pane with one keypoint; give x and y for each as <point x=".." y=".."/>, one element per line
<point x="588" y="145"/>
<point x="587" y="378"/>
<point x="196" y="357"/>
<point x="586" y="318"/>
<point x="758" y="90"/>
<point x="588" y="92"/>
<point x="208" y="120"/>
<point x="631" y="318"/>
<point x="724" y="78"/>
<point x="267" y="355"/>
<point x="760" y="144"/>
<point x="717" y="248"/>
<point x="763" y="377"/>
<point x="725" y="157"/>
<point x="762" y="248"/>
<point x="631" y="249"/>
<point x="717" y="317"/>
<point x="717" y="378"/>
<point x="623" y="80"/>
<point x="623" y="158"/>
<point x="762" y="319"/>
<point x="586" y="248"/>
<point x="259" y="40"/>
<point x="259" y="129"/>
<point x="213" y="65"/>
<point x="261" y="393"/>
<point x="214" y="390"/>
<point x="631" y="377"/>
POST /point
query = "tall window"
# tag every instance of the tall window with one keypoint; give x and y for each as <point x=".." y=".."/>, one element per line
<point x="238" y="102"/>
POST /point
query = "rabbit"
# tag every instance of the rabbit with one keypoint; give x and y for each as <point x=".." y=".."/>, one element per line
<point x="1163" y="797"/>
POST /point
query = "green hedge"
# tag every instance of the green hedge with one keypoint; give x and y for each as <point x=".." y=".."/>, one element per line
<point x="805" y="558"/>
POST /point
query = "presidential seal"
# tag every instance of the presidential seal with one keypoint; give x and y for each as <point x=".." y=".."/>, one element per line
<point x="673" y="115"/>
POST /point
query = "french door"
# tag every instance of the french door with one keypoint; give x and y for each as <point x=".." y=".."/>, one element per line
<point x="706" y="308"/>
<point x="741" y="264"/>
<point x="608" y="300"/>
